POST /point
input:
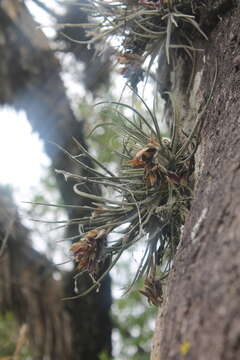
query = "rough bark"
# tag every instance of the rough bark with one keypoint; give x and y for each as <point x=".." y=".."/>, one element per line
<point x="200" y="317"/>
<point x="30" y="80"/>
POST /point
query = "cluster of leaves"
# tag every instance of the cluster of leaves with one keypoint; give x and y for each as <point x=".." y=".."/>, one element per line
<point x="148" y="201"/>
<point x="99" y="141"/>
<point x="142" y="28"/>
<point x="134" y="326"/>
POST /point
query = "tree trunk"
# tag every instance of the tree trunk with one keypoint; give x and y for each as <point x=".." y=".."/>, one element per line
<point x="29" y="290"/>
<point x="200" y="318"/>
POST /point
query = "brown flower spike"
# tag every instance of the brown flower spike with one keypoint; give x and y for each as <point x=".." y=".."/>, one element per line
<point x="153" y="291"/>
<point x="144" y="159"/>
<point x="86" y="250"/>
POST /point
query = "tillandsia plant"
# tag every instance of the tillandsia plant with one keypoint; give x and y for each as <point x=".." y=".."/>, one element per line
<point x="148" y="200"/>
<point x="140" y="28"/>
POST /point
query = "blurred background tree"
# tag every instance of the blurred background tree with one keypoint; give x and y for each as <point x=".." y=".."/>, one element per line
<point x="31" y="284"/>
<point x="31" y="80"/>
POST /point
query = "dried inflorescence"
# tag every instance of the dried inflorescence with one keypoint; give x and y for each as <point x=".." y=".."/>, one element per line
<point x="87" y="251"/>
<point x="153" y="291"/>
<point x="144" y="159"/>
<point x="154" y="172"/>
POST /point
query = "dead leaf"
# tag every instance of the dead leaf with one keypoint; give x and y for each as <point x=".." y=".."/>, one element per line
<point x="136" y="163"/>
<point x="152" y="175"/>
<point x="95" y="234"/>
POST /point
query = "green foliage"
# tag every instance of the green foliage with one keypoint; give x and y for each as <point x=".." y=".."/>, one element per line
<point x="9" y="332"/>
<point x="133" y="319"/>
<point x="104" y="356"/>
<point x="104" y="140"/>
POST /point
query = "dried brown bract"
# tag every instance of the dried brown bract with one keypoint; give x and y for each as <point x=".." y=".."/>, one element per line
<point x="86" y="251"/>
<point x="153" y="291"/>
<point x="153" y="175"/>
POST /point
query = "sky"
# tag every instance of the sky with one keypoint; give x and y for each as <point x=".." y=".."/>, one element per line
<point x="20" y="168"/>
<point x="23" y="161"/>
<point x="16" y="137"/>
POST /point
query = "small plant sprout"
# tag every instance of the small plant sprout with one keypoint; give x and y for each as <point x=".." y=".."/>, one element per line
<point x="146" y="201"/>
<point x="136" y="29"/>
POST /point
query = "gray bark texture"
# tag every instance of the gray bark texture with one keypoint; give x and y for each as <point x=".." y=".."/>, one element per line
<point x="200" y="318"/>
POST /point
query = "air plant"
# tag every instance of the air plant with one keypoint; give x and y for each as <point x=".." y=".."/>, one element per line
<point x="140" y="28"/>
<point x="148" y="202"/>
